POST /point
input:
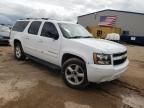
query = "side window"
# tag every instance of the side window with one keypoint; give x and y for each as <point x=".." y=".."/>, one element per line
<point x="49" y="30"/>
<point x="34" y="27"/>
<point x="20" y="26"/>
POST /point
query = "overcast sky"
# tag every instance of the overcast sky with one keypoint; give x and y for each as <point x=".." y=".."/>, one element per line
<point x="11" y="10"/>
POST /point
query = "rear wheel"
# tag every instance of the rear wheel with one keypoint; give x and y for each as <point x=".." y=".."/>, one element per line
<point x="18" y="51"/>
<point x="74" y="73"/>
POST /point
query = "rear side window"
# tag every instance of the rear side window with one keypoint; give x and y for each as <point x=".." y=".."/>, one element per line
<point x="20" y="26"/>
<point x="34" y="27"/>
<point x="49" y="28"/>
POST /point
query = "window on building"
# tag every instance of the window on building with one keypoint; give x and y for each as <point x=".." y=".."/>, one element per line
<point x="125" y="32"/>
<point x="99" y="33"/>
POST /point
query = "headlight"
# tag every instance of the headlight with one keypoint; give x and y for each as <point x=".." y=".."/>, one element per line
<point x="102" y="59"/>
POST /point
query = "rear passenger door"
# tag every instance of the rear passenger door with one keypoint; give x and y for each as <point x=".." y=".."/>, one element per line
<point x="32" y="38"/>
<point x="50" y="47"/>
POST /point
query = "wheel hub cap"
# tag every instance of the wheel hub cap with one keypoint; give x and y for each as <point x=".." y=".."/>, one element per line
<point x="18" y="52"/>
<point x="74" y="74"/>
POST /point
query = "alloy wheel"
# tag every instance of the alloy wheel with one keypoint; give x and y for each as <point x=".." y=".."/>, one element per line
<point x="74" y="74"/>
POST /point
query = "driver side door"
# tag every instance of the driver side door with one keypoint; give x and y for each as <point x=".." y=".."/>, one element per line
<point x="49" y="45"/>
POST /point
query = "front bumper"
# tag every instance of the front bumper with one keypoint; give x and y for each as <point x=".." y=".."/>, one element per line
<point x="102" y="73"/>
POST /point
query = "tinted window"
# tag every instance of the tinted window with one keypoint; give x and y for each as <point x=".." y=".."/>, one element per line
<point x="49" y="29"/>
<point x="125" y="32"/>
<point x="20" y="26"/>
<point x="34" y="27"/>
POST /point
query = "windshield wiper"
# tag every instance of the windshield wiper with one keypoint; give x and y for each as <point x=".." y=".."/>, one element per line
<point x="88" y="37"/>
<point x="81" y="37"/>
<point x="76" y="37"/>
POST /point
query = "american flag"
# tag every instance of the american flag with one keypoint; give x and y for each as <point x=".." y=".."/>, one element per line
<point x="107" y="20"/>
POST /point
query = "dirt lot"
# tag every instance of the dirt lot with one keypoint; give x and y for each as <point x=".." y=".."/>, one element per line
<point x="26" y="84"/>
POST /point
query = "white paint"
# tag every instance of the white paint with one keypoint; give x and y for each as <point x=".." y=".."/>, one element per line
<point x="133" y="38"/>
<point x="52" y="50"/>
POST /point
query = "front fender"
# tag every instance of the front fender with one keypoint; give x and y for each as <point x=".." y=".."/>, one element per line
<point x="75" y="54"/>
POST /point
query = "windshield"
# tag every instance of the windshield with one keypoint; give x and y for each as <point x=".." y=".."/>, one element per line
<point x="74" y="31"/>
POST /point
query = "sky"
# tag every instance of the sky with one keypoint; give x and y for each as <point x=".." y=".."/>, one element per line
<point x="68" y="10"/>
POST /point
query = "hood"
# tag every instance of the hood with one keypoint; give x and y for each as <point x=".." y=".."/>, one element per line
<point x="102" y="45"/>
<point x="4" y="34"/>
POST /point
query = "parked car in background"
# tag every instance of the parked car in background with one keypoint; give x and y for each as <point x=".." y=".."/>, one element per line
<point x="72" y="48"/>
<point x="113" y="37"/>
<point x="4" y="34"/>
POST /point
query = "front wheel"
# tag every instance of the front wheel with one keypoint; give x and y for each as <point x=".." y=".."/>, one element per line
<point x="74" y="73"/>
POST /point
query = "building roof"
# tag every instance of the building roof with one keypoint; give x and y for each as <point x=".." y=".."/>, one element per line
<point x="113" y="10"/>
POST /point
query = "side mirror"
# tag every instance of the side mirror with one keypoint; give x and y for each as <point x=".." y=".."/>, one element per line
<point x="55" y="37"/>
<point x="52" y="35"/>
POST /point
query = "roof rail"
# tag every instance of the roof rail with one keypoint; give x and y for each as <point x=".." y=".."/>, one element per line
<point x="33" y="18"/>
<point x="45" y="18"/>
<point x="37" y="19"/>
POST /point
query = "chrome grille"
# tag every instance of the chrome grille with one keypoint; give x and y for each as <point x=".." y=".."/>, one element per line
<point x="119" y="58"/>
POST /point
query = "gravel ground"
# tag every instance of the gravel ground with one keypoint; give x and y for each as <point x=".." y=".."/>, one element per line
<point x="26" y="84"/>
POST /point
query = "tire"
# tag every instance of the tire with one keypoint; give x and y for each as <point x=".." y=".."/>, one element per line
<point x="18" y="52"/>
<point x="74" y="73"/>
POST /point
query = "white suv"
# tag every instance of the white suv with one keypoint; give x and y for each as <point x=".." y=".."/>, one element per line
<point x="71" y="47"/>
